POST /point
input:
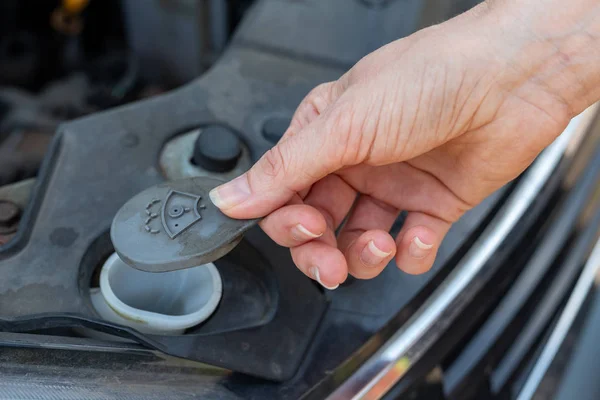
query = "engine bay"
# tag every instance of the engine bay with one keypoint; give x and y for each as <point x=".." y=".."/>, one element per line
<point x="108" y="116"/>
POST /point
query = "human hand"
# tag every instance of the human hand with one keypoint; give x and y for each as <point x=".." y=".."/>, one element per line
<point x="431" y="124"/>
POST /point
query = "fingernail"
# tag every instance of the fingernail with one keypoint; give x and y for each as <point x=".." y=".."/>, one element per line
<point x="231" y="193"/>
<point x="314" y="272"/>
<point x="372" y="256"/>
<point x="418" y="249"/>
<point x="299" y="232"/>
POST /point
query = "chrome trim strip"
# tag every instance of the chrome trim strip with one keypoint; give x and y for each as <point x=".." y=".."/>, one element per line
<point x="557" y="337"/>
<point x="391" y="362"/>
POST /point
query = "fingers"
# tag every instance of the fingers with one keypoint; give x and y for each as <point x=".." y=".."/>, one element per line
<point x="365" y="240"/>
<point x="431" y="205"/>
<point x="418" y="242"/>
<point x="321" y="259"/>
<point x="323" y="263"/>
<point x="293" y="225"/>
<point x="297" y="161"/>
<point x="369" y="253"/>
<point x="333" y="198"/>
<point x="318" y="216"/>
<point x="290" y="166"/>
<point x="309" y="229"/>
<point x="406" y="188"/>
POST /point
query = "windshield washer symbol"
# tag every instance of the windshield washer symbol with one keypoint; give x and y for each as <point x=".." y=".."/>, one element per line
<point x="180" y="211"/>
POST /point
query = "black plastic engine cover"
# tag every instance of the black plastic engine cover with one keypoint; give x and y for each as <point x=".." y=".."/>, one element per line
<point x="282" y="49"/>
<point x="98" y="163"/>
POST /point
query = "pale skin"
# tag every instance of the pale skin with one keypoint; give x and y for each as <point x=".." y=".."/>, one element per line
<point x="431" y="124"/>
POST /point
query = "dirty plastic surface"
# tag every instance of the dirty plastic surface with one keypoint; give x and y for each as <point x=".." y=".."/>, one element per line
<point x="173" y="226"/>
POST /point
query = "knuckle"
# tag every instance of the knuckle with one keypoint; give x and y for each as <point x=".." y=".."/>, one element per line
<point x="320" y="89"/>
<point x="455" y="209"/>
<point x="321" y="97"/>
<point x="274" y="163"/>
<point x="455" y="213"/>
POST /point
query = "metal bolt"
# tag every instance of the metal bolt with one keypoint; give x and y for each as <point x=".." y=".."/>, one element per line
<point x="9" y="214"/>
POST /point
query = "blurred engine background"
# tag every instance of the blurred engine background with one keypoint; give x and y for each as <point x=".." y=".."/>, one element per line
<point x="63" y="59"/>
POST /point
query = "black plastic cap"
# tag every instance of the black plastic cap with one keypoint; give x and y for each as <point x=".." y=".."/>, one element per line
<point x="217" y="149"/>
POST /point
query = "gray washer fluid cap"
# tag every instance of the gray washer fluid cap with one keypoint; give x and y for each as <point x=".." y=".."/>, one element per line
<point x="173" y="226"/>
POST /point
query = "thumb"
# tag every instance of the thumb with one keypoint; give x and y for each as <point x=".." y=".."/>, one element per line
<point x="295" y="163"/>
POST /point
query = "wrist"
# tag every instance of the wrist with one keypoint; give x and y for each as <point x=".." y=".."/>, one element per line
<point x="556" y="47"/>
